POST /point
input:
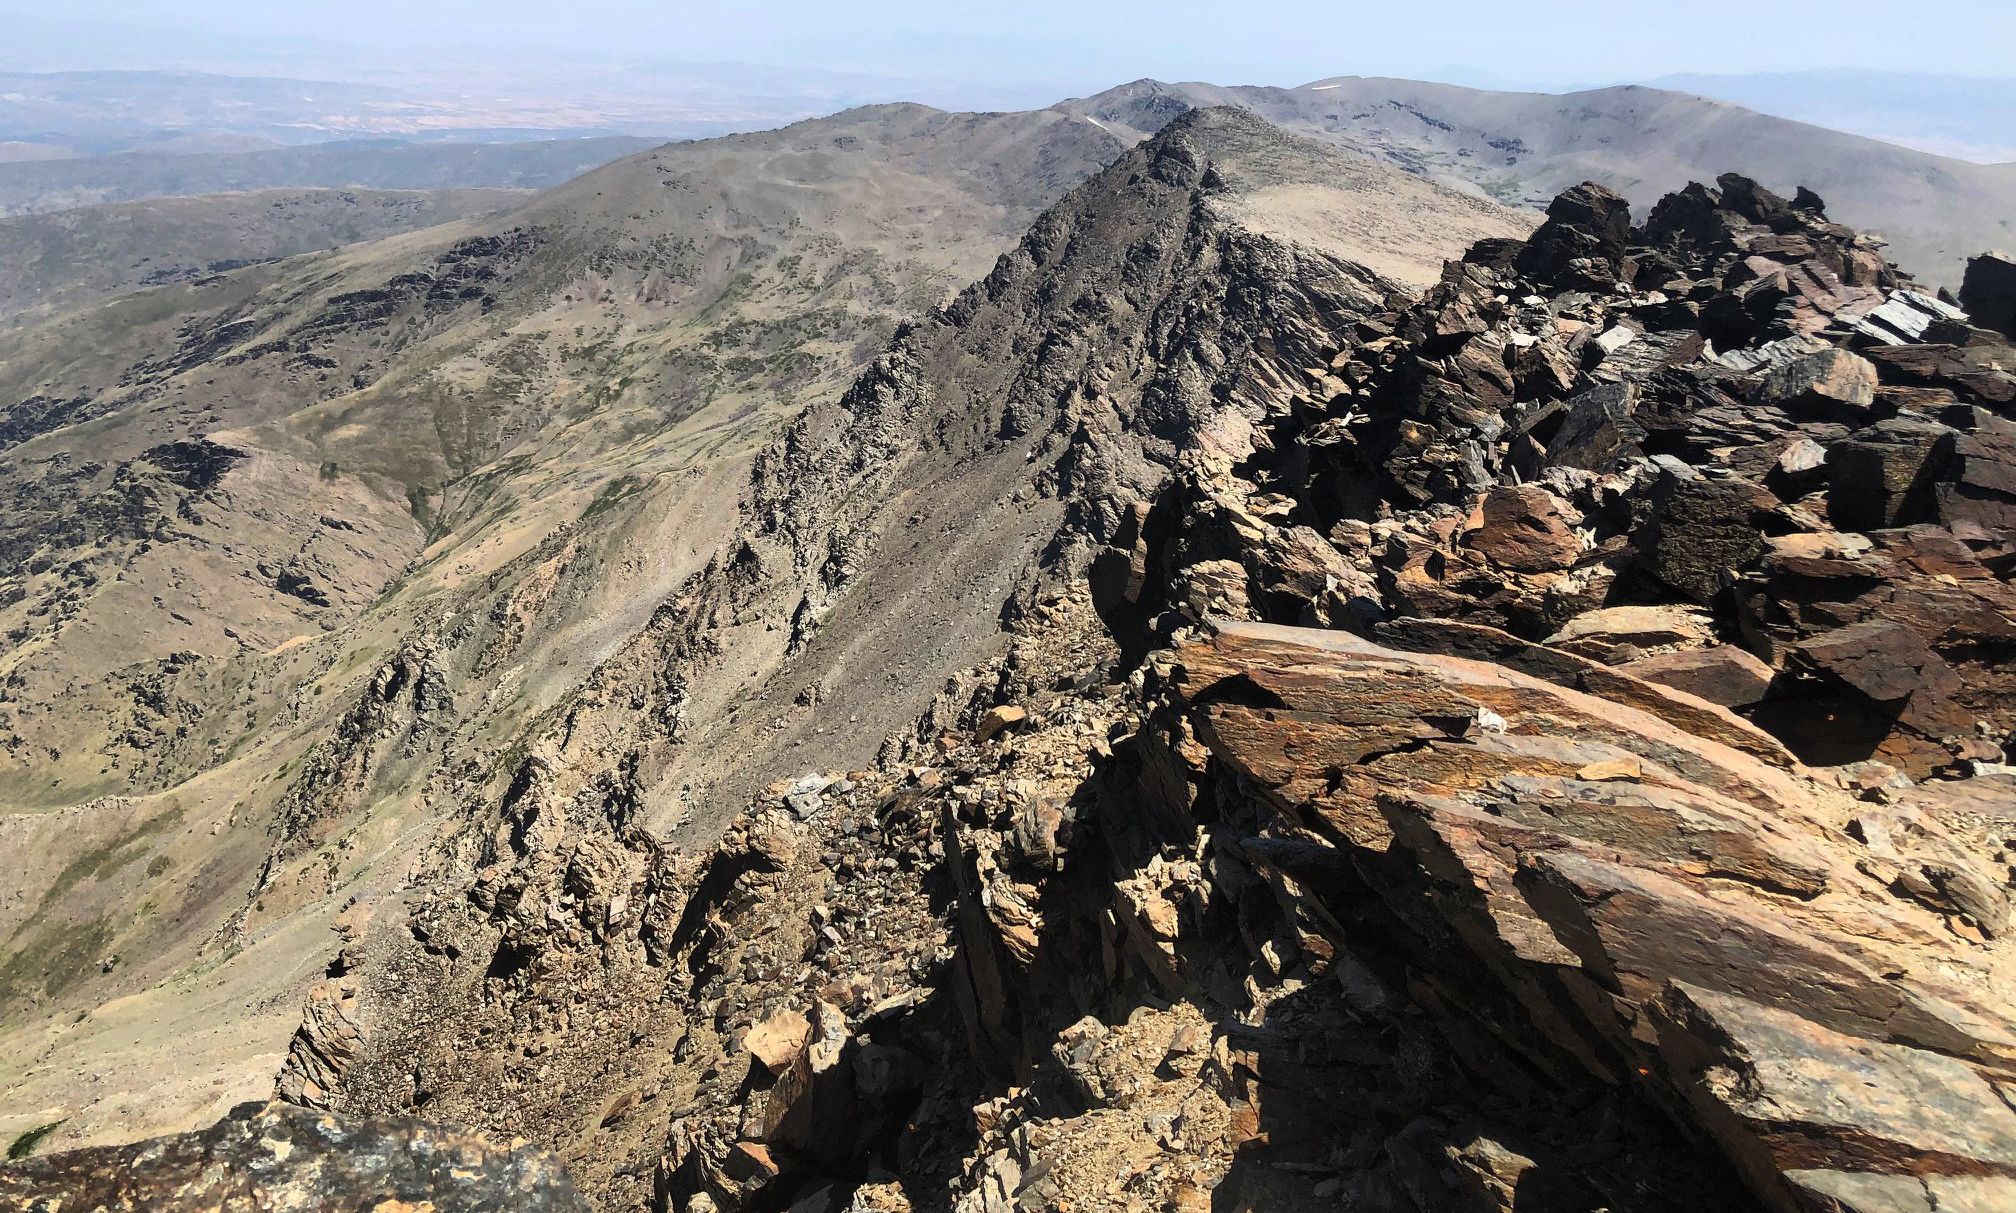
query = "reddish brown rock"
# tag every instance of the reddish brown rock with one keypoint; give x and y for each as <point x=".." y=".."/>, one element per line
<point x="1721" y="674"/>
<point x="1694" y="924"/>
<point x="1525" y="529"/>
<point x="1796" y="1104"/>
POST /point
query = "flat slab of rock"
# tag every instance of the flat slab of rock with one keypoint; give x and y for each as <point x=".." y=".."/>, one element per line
<point x="1626" y="633"/>
<point x="1785" y="1093"/>
<point x="1815" y="984"/>
<point x="1721" y="674"/>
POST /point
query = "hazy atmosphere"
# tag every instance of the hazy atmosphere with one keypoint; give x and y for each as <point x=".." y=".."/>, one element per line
<point x="618" y="66"/>
<point x="1043" y="43"/>
<point x="1284" y="607"/>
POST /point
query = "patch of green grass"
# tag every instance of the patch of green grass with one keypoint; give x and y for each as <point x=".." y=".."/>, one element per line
<point x="57" y="958"/>
<point x="613" y="494"/>
<point x="25" y="1144"/>
<point x="1504" y="188"/>
<point x="102" y="861"/>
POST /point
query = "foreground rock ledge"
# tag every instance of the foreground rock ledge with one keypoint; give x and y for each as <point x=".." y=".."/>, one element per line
<point x="274" y="1157"/>
<point x="1660" y="909"/>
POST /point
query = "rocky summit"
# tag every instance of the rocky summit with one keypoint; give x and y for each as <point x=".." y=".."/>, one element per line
<point x="1262" y="725"/>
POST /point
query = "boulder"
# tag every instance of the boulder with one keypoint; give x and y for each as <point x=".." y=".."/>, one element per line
<point x="998" y="720"/>
<point x="1583" y="239"/>
<point x="1525" y="528"/>
<point x="812" y="1112"/>
<point x="1592" y="429"/>
<point x="1721" y="674"/>
<point x="1701" y="532"/>
<point x="1988" y="292"/>
<point x="1888" y="474"/>
<point x="1615" y="635"/>
<point x="1884" y="688"/>
<point x="778" y="1039"/>
<point x="1829" y="383"/>
<point x="1979" y="484"/>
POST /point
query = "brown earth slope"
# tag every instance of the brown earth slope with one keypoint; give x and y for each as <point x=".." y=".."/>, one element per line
<point x="295" y="558"/>
<point x="55" y="262"/>
<point x="1539" y="746"/>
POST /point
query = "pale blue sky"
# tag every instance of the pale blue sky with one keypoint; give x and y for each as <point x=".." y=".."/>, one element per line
<point x="1069" y="44"/>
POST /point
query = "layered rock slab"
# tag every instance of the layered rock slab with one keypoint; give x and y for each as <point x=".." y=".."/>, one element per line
<point x="1667" y="914"/>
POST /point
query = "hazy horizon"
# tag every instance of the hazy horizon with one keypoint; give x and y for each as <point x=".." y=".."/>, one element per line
<point x="1036" y="49"/>
<point x="514" y="68"/>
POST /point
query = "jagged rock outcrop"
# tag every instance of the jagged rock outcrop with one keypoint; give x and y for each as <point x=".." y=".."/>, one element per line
<point x="1654" y="521"/>
<point x="1588" y="893"/>
<point x="274" y="1156"/>
<point x="886" y="538"/>
<point x="1537" y="745"/>
<point x="1752" y="414"/>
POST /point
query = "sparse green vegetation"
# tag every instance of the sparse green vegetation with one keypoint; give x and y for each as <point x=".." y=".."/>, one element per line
<point x="611" y="495"/>
<point x="24" y="1144"/>
<point x="56" y="958"/>
<point x="1505" y="188"/>
<point x="102" y="861"/>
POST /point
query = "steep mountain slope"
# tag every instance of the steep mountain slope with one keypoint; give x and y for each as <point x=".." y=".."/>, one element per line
<point x="31" y="187"/>
<point x="1385" y="782"/>
<point x="54" y="262"/>
<point x="298" y="556"/>
<point x="1526" y="147"/>
<point x="1159" y="311"/>
<point x="453" y="689"/>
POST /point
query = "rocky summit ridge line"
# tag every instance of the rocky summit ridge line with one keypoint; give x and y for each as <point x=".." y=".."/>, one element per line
<point x="297" y="554"/>
<point x="1534" y="745"/>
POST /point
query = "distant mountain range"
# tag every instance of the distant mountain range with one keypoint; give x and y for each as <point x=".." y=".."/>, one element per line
<point x="181" y="133"/>
<point x="32" y="186"/>
<point x="1968" y="117"/>
<point x="65" y="259"/>
<point x="99" y="112"/>
<point x="1523" y="148"/>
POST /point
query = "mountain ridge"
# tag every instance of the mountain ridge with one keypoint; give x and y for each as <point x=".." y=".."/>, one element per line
<point x="124" y="247"/>
<point x="1421" y="763"/>
<point x="1642" y="141"/>
<point x="774" y="272"/>
<point x="445" y="626"/>
<point x="30" y="187"/>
